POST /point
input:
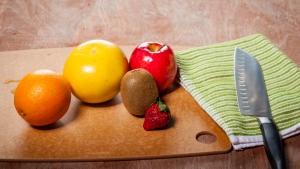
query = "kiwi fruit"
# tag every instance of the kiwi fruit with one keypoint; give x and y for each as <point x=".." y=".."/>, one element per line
<point x="138" y="91"/>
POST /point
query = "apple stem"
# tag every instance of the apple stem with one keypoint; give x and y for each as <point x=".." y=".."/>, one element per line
<point x="154" y="47"/>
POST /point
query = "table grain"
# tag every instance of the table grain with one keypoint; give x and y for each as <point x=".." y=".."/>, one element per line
<point x="27" y="24"/>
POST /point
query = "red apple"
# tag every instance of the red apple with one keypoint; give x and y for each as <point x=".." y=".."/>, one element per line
<point x="158" y="59"/>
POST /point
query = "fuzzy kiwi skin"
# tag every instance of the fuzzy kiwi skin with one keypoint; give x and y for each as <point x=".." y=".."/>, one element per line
<point x="138" y="91"/>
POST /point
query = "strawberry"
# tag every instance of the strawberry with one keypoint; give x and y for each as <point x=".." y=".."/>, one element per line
<point x="157" y="116"/>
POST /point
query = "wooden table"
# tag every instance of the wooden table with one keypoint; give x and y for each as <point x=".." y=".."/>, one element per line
<point x="35" y="24"/>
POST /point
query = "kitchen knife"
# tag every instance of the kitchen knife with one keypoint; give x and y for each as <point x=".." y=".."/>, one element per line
<point x="253" y="101"/>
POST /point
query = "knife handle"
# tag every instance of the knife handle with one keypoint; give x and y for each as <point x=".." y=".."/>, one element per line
<point x="273" y="144"/>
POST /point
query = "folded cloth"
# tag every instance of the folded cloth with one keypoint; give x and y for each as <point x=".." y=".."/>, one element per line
<point x="207" y="73"/>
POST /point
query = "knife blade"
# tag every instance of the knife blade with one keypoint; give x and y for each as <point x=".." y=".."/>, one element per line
<point x="253" y="100"/>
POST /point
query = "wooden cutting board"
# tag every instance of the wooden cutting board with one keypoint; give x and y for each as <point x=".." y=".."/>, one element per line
<point x="102" y="131"/>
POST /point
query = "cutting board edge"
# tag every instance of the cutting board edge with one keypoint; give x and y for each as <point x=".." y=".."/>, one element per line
<point x="89" y="159"/>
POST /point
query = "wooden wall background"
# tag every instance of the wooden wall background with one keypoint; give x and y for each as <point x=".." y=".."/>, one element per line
<point x="38" y="24"/>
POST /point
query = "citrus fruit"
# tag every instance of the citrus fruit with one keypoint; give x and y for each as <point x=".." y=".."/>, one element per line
<point x="42" y="97"/>
<point x="94" y="70"/>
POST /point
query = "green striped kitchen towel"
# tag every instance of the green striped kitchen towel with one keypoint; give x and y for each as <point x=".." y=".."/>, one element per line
<point x="207" y="73"/>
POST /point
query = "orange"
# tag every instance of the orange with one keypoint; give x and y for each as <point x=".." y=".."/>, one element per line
<point x="42" y="97"/>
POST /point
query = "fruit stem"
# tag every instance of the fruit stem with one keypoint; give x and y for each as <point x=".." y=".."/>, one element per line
<point x="154" y="47"/>
<point x="162" y="106"/>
